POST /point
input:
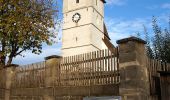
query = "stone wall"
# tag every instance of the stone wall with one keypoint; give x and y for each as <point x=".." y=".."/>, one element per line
<point x="125" y="72"/>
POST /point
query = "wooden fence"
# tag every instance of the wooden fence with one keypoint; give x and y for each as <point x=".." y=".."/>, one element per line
<point x="154" y="67"/>
<point x="95" y="68"/>
<point x="98" y="68"/>
<point x="25" y="79"/>
<point x="29" y="76"/>
<point x="165" y="86"/>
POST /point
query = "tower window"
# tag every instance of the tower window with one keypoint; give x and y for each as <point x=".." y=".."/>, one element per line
<point x="77" y="1"/>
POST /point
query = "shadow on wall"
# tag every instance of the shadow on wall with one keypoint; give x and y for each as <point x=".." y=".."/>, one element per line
<point x="103" y="98"/>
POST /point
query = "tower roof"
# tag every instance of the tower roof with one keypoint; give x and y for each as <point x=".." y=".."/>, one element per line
<point x="105" y="32"/>
<point x="104" y="1"/>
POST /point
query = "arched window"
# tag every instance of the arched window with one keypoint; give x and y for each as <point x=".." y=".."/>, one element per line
<point x="77" y="1"/>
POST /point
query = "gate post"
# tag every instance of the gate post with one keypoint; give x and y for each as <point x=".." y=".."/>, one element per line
<point x="10" y="70"/>
<point x="134" y="83"/>
<point x="52" y="73"/>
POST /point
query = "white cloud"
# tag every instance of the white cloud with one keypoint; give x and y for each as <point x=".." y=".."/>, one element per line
<point x="120" y="28"/>
<point x="166" y="6"/>
<point x="115" y="2"/>
<point x="162" y="6"/>
<point x="33" y="58"/>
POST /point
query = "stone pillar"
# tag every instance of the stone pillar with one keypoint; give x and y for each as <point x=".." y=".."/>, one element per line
<point x="10" y="71"/>
<point x="52" y="71"/>
<point x="134" y="84"/>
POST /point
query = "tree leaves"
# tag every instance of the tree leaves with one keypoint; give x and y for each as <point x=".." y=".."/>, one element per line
<point x="24" y="25"/>
<point x="160" y="47"/>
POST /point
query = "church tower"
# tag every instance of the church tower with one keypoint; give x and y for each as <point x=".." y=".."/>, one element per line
<point x="83" y="29"/>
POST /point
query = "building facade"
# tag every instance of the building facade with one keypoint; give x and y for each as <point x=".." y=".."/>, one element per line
<point x="83" y="29"/>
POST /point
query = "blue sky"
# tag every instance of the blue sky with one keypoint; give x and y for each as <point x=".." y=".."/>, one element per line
<point x="123" y="18"/>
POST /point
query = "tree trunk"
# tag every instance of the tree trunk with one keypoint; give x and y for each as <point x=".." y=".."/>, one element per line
<point x="9" y="61"/>
<point x="2" y="52"/>
<point x="2" y="60"/>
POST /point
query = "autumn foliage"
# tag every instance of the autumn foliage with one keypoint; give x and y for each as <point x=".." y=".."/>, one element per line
<point x="25" y="25"/>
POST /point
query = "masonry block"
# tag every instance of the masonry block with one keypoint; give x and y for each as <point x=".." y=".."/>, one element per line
<point x="52" y="65"/>
<point x="10" y="71"/>
<point x="133" y="72"/>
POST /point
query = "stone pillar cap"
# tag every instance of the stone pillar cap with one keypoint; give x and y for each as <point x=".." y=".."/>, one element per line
<point x="132" y="38"/>
<point x="52" y="56"/>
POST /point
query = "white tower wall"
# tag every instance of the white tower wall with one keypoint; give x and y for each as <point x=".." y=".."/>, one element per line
<point x="86" y="35"/>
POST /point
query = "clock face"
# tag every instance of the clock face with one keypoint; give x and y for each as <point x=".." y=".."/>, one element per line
<point x="76" y="17"/>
